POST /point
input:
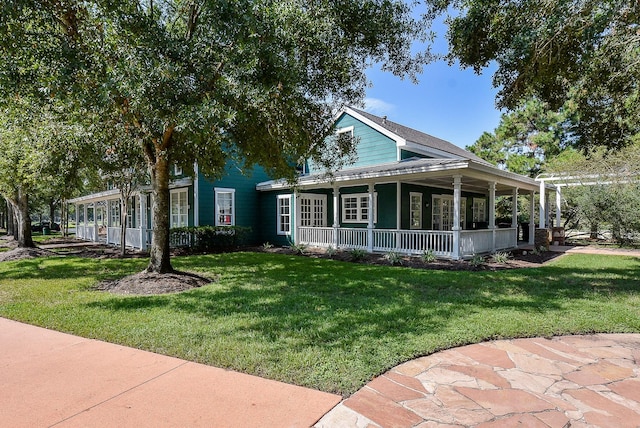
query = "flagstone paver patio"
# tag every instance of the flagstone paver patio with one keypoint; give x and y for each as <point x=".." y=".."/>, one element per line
<point x="571" y="381"/>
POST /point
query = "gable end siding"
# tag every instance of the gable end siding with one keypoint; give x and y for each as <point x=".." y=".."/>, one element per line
<point x="373" y="147"/>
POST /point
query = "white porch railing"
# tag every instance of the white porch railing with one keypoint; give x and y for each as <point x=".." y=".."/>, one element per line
<point x="318" y="236"/>
<point x="506" y="238"/>
<point x="476" y="242"/>
<point x="352" y="238"/>
<point x="411" y="241"/>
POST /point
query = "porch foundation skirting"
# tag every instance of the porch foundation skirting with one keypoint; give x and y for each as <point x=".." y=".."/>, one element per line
<point x="411" y="242"/>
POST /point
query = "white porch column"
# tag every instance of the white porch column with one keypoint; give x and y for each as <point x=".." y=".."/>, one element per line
<point x="84" y="223"/>
<point x="543" y="209"/>
<point x="532" y="223"/>
<point x="77" y="215"/>
<point x="370" y="223"/>
<point x="296" y="221"/>
<point x="492" y="214"/>
<point x="558" y="206"/>
<point x="398" y="213"/>
<point x="196" y="196"/>
<point x="95" y="222"/>
<point x="336" y="215"/>
<point x="457" y="192"/>
<point x="143" y="221"/>
<point x="514" y="208"/>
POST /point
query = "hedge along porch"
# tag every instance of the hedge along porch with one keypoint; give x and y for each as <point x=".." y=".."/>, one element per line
<point x="442" y="205"/>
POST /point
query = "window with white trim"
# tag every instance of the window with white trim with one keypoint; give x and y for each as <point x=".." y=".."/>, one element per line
<point x="415" y="210"/>
<point x="177" y="170"/>
<point x="479" y="210"/>
<point x="179" y="208"/>
<point x="284" y="214"/>
<point x="225" y="206"/>
<point x="355" y="208"/>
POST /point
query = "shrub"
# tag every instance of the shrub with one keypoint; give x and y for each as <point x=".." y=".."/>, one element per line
<point x="208" y="238"/>
<point x="476" y="260"/>
<point x="394" y="258"/>
<point x="267" y="246"/>
<point x="500" y="257"/>
<point x="428" y="256"/>
<point x="357" y="254"/>
<point x="331" y="251"/>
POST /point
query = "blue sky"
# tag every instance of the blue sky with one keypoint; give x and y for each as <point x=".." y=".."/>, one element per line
<point x="448" y="102"/>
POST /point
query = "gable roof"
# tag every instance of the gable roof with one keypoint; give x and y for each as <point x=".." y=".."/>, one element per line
<point x="409" y="136"/>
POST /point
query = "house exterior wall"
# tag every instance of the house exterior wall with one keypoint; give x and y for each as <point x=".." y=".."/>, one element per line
<point x="374" y="148"/>
<point x="247" y="209"/>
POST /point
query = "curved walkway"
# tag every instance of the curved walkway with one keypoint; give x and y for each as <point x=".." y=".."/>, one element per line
<point x="571" y="381"/>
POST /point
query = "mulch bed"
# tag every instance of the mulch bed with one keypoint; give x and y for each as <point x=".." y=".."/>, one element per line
<point x="518" y="259"/>
<point x="147" y="283"/>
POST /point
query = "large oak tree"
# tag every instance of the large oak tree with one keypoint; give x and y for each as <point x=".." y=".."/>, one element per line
<point x="203" y="81"/>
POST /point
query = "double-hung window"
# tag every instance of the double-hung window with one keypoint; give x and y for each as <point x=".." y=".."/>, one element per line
<point x="355" y="208"/>
<point x="225" y="206"/>
<point x="284" y="214"/>
<point x="179" y="202"/>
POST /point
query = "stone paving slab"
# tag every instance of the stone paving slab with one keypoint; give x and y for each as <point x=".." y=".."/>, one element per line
<point x="49" y="379"/>
<point x="571" y="381"/>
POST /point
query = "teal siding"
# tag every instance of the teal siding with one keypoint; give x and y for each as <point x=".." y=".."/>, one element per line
<point x="373" y="148"/>
<point x="387" y="211"/>
<point x="268" y="220"/>
<point x="247" y="202"/>
<point x="427" y="194"/>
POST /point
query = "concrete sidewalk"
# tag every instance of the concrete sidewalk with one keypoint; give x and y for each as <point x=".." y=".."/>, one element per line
<point x="49" y="379"/>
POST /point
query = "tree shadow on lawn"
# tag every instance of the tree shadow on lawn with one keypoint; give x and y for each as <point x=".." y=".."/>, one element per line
<point x="327" y="303"/>
<point x="56" y="268"/>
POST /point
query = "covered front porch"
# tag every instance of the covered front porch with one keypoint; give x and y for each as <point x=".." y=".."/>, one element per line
<point x="412" y="242"/>
<point x="446" y="207"/>
<point x="99" y="219"/>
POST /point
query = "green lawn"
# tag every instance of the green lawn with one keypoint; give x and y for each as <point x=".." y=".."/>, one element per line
<point x="321" y="323"/>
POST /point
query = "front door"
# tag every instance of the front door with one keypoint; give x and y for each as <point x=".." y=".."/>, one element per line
<point x="312" y="210"/>
<point x="442" y="214"/>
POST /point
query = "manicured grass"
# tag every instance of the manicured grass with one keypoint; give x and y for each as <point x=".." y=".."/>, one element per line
<point x="322" y="323"/>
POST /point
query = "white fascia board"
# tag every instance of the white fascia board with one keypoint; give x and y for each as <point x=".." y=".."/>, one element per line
<point x="107" y="194"/>
<point x="364" y="176"/>
<point x="517" y="180"/>
<point x="384" y="131"/>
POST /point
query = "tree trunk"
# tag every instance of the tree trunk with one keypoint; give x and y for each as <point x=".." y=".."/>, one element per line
<point x="52" y="213"/>
<point x="123" y="225"/>
<point x="160" y="261"/>
<point x="23" y="222"/>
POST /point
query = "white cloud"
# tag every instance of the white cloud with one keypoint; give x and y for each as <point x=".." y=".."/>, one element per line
<point x="378" y="107"/>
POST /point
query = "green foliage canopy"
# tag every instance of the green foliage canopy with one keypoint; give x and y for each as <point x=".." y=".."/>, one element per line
<point x="587" y="52"/>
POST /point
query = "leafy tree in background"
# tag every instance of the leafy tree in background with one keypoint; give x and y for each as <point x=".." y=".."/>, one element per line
<point x="583" y="52"/>
<point x="608" y="195"/>
<point x="525" y="138"/>
<point x="205" y="81"/>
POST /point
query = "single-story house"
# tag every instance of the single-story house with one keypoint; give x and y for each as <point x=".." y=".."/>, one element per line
<point x="407" y="192"/>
